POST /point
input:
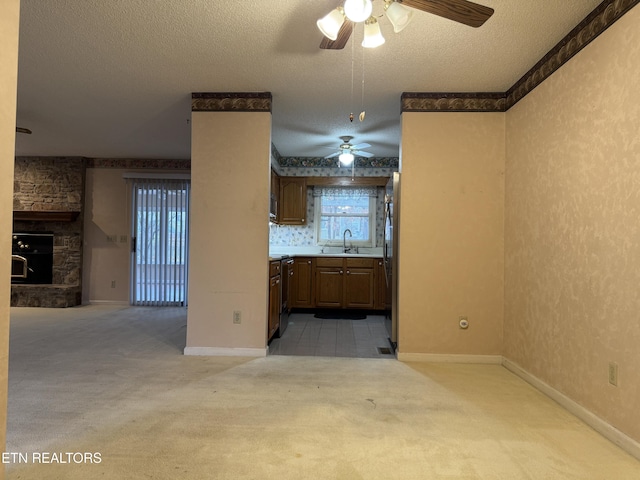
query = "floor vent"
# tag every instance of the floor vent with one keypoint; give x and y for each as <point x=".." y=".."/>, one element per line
<point x="384" y="350"/>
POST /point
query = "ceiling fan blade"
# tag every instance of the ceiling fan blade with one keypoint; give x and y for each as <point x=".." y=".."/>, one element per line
<point x="23" y="130"/>
<point x="360" y="145"/>
<point x="362" y="154"/>
<point x="333" y="155"/>
<point x="461" y="11"/>
<point x="341" y="40"/>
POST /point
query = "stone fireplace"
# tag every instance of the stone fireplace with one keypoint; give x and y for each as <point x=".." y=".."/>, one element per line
<point x="48" y="200"/>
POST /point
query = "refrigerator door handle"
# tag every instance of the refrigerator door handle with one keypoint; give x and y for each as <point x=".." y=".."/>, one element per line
<point x="385" y="252"/>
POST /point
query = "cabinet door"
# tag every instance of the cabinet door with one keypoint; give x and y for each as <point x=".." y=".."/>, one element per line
<point x="359" y="287"/>
<point x="300" y="293"/>
<point x="293" y="201"/>
<point x="329" y="287"/>
<point x="274" y="305"/>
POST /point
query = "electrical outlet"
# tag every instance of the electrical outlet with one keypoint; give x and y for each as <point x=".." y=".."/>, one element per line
<point x="613" y="373"/>
<point x="237" y="316"/>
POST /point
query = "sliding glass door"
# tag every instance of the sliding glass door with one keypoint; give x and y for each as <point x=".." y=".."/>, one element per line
<point x="160" y="242"/>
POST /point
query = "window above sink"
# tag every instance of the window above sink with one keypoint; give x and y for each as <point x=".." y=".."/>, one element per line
<point x="345" y="215"/>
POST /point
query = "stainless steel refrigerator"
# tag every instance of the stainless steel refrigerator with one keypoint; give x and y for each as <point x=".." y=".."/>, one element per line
<point x="390" y="253"/>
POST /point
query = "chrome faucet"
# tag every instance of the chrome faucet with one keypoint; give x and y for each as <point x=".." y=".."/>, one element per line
<point x="344" y="241"/>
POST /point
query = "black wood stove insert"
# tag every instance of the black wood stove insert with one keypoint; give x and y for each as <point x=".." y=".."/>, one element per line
<point x="32" y="257"/>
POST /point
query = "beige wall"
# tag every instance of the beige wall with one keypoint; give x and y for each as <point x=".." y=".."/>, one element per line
<point x="9" y="22"/>
<point x="230" y="181"/>
<point x="573" y="227"/>
<point x="107" y="212"/>
<point x="451" y="233"/>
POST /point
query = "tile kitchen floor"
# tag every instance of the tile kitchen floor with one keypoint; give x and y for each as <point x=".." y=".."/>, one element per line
<point x="310" y="336"/>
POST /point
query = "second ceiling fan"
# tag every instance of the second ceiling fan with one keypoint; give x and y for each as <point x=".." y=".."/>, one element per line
<point x="347" y="152"/>
<point x="338" y="25"/>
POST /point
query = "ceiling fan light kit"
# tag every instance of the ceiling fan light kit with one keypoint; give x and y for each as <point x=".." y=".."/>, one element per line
<point x="337" y="26"/>
<point x="358" y="10"/>
<point x="398" y="15"/>
<point x="372" y="35"/>
<point x="346" y="159"/>
<point x="330" y="24"/>
<point x="347" y="152"/>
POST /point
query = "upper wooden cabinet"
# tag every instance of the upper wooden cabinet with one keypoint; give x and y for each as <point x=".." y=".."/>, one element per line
<point x="293" y="201"/>
<point x="274" y="198"/>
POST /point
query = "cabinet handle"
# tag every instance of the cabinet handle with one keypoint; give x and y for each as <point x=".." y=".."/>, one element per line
<point x="309" y="262"/>
<point x="291" y="274"/>
<point x="303" y="219"/>
<point x="348" y="272"/>
<point x="341" y="272"/>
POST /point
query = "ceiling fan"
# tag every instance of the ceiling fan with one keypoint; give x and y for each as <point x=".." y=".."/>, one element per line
<point x="337" y="26"/>
<point x="347" y="152"/>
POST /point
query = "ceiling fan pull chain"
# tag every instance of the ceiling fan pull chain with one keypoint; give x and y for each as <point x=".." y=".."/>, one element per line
<point x="352" y="78"/>
<point x="362" y="101"/>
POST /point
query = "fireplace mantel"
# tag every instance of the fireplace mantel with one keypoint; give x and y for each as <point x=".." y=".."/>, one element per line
<point x="44" y="216"/>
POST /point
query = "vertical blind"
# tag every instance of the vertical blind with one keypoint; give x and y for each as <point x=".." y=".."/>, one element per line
<point x="160" y="246"/>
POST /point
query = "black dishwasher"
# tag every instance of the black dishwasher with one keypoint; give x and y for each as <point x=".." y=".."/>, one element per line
<point x="286" y="270"/>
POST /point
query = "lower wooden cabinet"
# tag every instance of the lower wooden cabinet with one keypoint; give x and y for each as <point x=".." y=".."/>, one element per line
<point x="329" y="282"/>
<point x="345" y="282"/>
<point x="359" y="287"/>
<point x="274" y="298"/>
<point x="337" y="282"/>
<point x="300" y="283"/>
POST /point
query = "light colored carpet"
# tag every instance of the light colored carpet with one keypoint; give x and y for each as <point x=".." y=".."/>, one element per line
<point x="113" y="380"/>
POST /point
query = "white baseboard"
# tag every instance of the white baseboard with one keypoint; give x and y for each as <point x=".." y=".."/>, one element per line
<point x="447" y="358"/>
<point x="608" y="431"/>
<point x="225" y="352"/>
<point x="108" y="302"/>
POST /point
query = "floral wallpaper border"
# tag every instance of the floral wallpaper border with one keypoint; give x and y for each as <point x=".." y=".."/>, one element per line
<point x="321" y="162"/>
<point x="231" y="101"/>
<point x="138" y="163"/>
<point x="601" y="18"/>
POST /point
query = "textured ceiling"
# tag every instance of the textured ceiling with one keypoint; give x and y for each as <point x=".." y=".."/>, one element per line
<point x="113" y="79"/>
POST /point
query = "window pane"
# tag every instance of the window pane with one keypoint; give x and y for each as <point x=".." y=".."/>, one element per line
<point x="341" y="208"/>
<point x="333" y="227"/>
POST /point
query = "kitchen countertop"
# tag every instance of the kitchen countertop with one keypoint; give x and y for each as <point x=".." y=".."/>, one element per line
<point x="362" y="255"/>
<point x="277" y="257"/>
<point x="357" y="255"/>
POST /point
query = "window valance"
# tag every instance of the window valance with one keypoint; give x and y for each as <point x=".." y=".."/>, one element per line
<point x="345" y="192"/>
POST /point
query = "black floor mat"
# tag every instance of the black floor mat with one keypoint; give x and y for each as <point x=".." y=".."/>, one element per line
<point x="341" y="315"/>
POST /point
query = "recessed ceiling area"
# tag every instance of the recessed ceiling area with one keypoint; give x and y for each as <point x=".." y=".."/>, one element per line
<point x="114" y="79"/>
